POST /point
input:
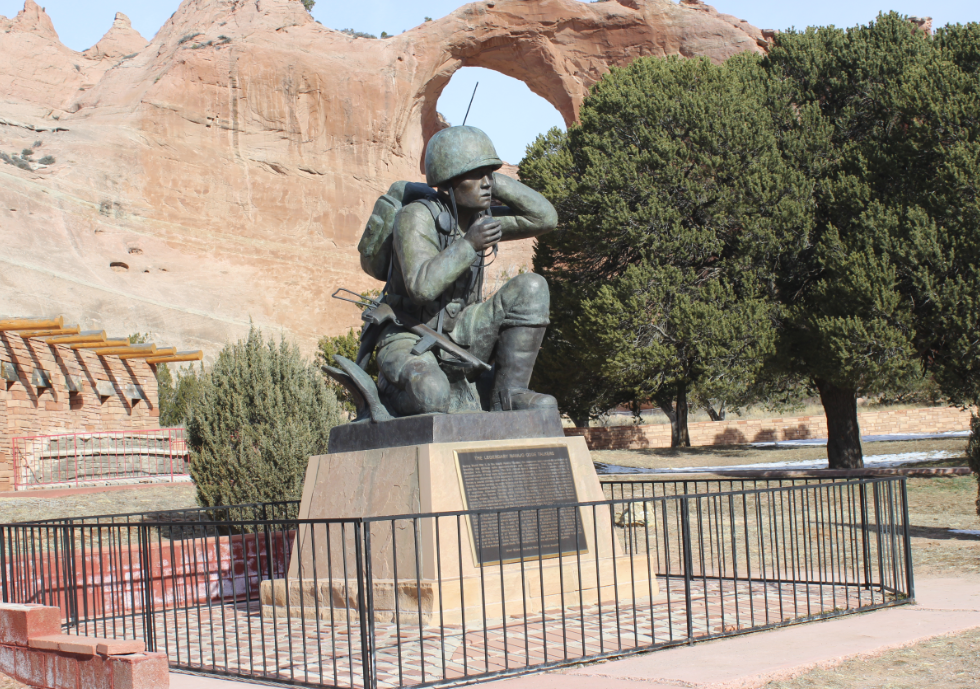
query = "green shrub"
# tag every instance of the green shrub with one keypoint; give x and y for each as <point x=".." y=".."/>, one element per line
<point x="357" y="34"/>
<point x="973" y="453"/>
<point x="47" y="160"/>
<point x="177" y="398"/>
<point x="188" y="37"/>
<point x="260" y="412"/>
<point x="308" y="5"/>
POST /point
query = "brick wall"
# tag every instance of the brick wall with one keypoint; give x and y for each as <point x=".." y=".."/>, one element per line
<point x="26" y="409"/>
<point x="735" y="432"/>
<point x="34" y="651"/>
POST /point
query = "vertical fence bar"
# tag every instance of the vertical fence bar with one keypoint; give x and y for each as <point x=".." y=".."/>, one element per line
<point x="146" y="570"/>
<point x="365" y="602"/>
<point x="685" y="513"/>
<point x="907" y="541"/>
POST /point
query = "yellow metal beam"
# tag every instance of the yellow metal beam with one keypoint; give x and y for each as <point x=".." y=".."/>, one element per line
<point x="176" y="358"/>
<point x="84" y="336"/>
<point x="101" y="344"/>
<point x="74" y="330"/>
<point x="32" y="324"/>
<point x="165" y="351"/>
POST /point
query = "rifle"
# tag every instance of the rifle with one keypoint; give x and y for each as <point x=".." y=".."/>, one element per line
<point x="376" y="314"/>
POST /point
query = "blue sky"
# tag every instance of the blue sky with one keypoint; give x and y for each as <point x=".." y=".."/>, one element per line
<point x="80" y="24"/>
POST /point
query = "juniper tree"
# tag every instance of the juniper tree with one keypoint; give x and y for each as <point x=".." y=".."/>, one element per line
<point x="885" y="286"/>
<point x="260" y="413"/>
<point x="674" y="202"/>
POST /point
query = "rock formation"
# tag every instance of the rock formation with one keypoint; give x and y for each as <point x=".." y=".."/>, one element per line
<point x="222" y="172"/>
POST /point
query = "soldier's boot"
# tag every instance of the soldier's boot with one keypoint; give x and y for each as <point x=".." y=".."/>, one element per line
<point x="517" y="349"/>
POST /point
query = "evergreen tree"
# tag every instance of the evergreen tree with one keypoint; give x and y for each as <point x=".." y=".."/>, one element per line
<point x="674" y="202"/>
<point x="569" y="367"/>
<point x="177" y="399"/>
<point x="260" y="413"/>
<point x="884" y="286"/>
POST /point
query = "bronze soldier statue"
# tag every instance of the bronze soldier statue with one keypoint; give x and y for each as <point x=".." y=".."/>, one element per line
<point x="431" y="328"/>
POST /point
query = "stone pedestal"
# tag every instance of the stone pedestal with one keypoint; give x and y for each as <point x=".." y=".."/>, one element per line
<point x="444" y="569"/>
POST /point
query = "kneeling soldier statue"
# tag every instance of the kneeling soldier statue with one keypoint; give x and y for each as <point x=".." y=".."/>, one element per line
<point x="434" y="334"/>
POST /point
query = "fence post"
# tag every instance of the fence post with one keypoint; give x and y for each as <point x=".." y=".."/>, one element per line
<point x="5" y="576"/>
<point x="70" y="574"/>
<point x="365" y="601"/>
<point x="865" y="546"/>
<point x="907" y="538"/>
<point x="268" y="545"/>
<point x="146" y="573"/>
<point x="688" y="565"/>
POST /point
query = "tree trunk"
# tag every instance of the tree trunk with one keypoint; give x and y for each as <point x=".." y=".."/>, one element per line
<point x="715" y="415"/>
<point x="843" y="433"/>
<point x="679" y="437"/>
<point x="676" y="411"/>
<point x="580" y="420"/>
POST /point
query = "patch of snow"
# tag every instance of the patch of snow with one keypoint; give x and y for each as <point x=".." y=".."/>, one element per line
<point x="968" y="532"/>
<point x="872" y="461"/>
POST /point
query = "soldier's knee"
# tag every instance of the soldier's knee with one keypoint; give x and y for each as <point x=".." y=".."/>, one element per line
<point x="429" y="388"/>
<point x="530" y="291"/>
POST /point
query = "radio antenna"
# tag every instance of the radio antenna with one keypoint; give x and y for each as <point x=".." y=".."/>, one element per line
<point x="471" y="103"/>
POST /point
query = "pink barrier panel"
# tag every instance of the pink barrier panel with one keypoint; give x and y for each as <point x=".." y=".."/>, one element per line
<point x="71" y="459"/>
<point x="111" y="581"/>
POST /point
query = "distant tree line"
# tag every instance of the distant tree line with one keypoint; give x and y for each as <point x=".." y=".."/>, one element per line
<point x="801" y="221"/>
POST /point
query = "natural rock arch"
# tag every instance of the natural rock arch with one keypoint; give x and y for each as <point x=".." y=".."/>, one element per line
<point x="560" y="48"/>
<point x="249" y="138"/>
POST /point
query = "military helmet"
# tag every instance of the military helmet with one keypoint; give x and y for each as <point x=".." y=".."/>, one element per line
<point x="457" y="150"/>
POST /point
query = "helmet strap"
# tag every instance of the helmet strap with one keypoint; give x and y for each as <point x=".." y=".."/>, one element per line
<point x="452" y="200"/>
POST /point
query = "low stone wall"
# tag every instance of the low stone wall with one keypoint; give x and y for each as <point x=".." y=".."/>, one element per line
<point x="740" y="431"/>
<point x="34" y="651"/>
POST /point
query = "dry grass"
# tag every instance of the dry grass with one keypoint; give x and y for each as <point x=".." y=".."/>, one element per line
<point x="949" y="662"/>
<point x="937" y="505"/>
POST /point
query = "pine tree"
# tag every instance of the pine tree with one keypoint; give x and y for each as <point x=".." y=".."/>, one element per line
<point x="885" y="284"/>
<point x="260" y="413"/>
<point x="674" y="201"/>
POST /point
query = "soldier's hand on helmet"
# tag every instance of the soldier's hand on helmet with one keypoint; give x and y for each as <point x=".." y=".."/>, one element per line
<point x="483" y="233"/>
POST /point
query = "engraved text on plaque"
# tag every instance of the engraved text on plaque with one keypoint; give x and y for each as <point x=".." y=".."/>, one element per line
<point x="524" y="477"/>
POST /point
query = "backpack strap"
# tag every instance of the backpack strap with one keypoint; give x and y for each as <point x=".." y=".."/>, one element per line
<point x="445" y="239"/>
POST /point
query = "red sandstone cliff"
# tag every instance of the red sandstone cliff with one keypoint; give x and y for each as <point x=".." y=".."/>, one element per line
<point x="226" y="167"/>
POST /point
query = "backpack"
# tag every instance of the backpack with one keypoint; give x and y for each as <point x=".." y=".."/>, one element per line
<point x="375" y="246"/>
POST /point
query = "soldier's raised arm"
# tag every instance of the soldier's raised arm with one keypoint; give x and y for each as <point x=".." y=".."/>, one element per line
<point x="427" y="271"/>
<point x="527" y="213"/>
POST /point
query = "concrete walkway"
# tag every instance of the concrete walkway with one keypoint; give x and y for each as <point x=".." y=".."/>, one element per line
<point x="943" y="606"/>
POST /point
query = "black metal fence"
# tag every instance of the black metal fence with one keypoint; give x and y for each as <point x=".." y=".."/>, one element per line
<point x="434" y="599"/>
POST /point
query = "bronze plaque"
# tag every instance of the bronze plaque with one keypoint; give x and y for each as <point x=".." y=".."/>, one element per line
<point x="498" y="478"/>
